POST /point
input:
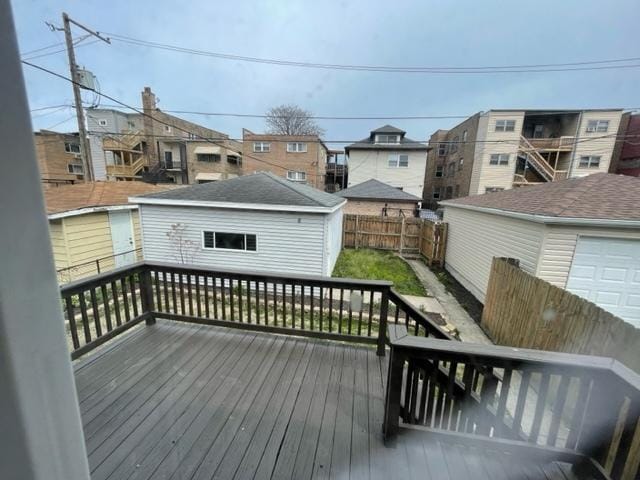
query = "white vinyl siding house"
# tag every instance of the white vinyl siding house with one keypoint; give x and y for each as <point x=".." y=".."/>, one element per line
<point x="400" y="169"/>
<point x="296" y="230"/>
<point x="596" y="143"/>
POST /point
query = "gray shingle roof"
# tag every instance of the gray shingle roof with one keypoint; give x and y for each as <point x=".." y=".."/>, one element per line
<point x="597" y="196"/>
<point x="405" y="143"/>
<point x="388" y="129"/>
<point x="377" y="190"/>
<point x="259" y="188"/>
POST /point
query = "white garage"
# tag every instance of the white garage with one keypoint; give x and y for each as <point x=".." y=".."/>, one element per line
<point x="607" y="272"/>
<point x="581" y="234"/>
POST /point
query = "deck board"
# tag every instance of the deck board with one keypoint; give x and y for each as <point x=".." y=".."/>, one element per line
<point x="183" y="401"/>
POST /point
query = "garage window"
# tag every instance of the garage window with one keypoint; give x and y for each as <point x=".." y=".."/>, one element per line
<point x="229" y="241"/>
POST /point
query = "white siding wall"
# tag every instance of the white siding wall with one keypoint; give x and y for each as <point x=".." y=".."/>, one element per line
<point x="602" y="147"/>
<point x="489" y="142"/>
<point x="287" y="242"/>
<point x="474" y="238"/>
<point x="367" y="164"/>
<point x="333" y="239"/>
<point x="560" y="244"/>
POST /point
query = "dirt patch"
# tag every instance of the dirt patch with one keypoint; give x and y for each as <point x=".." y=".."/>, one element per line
<point x="461" y="294"/>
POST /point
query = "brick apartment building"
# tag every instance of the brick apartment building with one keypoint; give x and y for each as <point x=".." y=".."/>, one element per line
<point x="58" y="157"/>
<point x="629" y="163"/>
<point x="299" y="158"/>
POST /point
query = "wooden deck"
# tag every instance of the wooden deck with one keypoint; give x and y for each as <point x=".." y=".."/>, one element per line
<point x="183" y="401"/>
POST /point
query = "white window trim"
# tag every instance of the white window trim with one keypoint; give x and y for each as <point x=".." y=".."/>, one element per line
<point x="102" y="122"/>
<point x="505" y="123"/>
<point x="597" y="126"/>
<point x="297" y="173"/>
<point x="500" y="163"/>
<point x="441" y="171"/>
<point x="395" y="157"/>
<point x="439" y="193"/>
<point x="68" y="150"/>
<point x="70" y="167"/>
<point x="167" y="129"/>
<point x="589" y="158"/>
<point x="387" y="135"/>
<point x="228" y="249"/>
<point x="262" y="147"/>
<point x="297" y="144"/>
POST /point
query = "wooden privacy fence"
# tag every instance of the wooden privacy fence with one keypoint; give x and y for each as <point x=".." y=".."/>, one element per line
<point x="399" y="234"/>
<point x="524" y="311"/>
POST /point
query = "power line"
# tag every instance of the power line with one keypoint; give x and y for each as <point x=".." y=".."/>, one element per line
<point x="607" y="64"/>
<point x="24" y="54"/>
<point x="49" y="107"/>
<point x="76" y="45"/>
<point x="51" y="72"/>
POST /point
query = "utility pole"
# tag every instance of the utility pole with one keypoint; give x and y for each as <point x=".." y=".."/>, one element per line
<point x="85" y="150"/>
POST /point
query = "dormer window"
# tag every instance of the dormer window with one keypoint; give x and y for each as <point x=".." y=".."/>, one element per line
<point x="385" y="138"/>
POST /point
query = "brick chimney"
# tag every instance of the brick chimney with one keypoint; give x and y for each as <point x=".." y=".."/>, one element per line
<point x="149" y="108"/>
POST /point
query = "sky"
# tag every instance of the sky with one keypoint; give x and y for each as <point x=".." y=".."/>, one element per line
<point x="401" y="33"/>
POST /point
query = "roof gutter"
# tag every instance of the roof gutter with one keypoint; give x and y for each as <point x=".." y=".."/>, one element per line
<point x="235" y="206"/>
<point x="547" y="219"/>
<point x="84" y="211"/>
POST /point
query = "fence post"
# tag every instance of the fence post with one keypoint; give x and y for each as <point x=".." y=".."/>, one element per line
<point x="355" y="234"/>
<point x="146" y="296"/>
<point x="391" y="422"/>
<point x="382" y="324"/>
<point x="402" y="235"/>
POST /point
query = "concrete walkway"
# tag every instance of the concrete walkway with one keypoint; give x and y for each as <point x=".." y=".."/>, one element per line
<point x="448" y="306"/>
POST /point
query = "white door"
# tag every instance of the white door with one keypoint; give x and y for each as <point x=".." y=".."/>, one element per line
<point x="606" y="271"/>
<point x="122" y="237"/>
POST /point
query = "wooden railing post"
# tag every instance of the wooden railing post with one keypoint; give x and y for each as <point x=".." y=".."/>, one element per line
<point x="382" y="324"/>
<point x="146" y="296"/>
<point x="392" y="399"/>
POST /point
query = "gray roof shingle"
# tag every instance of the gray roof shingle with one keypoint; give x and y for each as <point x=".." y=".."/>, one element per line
<point x="376" y="190"/>
<point x="596" y="196"/>
<point x="369" y="142"/>
<point x="259" y="188"/>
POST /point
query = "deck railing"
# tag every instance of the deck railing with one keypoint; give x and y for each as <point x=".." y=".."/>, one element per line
<point x="100" y="307"/>
<point x="574" y="407"/>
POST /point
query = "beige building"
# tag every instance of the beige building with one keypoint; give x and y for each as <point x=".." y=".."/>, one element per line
<point x="58" y="157"/>
<point x="156" y="146"/>
<point x="93" y="227"/>
<point x="581" y="234"/>
<point x="501" y="149"/>
<point x="299" y="158"/>
<point x="376" y="198"/>
<point x="389" y="156"/>
<point x="210" y="163"/>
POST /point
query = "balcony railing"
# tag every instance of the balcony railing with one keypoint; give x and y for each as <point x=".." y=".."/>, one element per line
<point x="101" y="307"/>
<point x="559" y="143"/>
<point x="581" y="409"/>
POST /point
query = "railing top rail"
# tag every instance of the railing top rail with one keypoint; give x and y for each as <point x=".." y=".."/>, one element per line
<point x="84" y="283"/>
<point x="270" y="276"/>
<point x="499" y="356"/>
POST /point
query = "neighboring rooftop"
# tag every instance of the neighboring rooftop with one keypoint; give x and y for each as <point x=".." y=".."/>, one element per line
<point x="599" y="196"/>
<point x="369" y="142"/>
<point x="263" y="188"/>
<point x="95" y="194"/>
<point x="377" y="190"/>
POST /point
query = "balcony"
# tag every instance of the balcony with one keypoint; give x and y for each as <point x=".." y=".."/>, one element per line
<point x="189" y="372"/>
<point x="131" y="168"/>
<point x="563" y="144"/>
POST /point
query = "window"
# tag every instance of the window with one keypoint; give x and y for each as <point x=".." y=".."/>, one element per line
<point x="387" y="138"/>
<point x="168" y="159"/>
<point x="464" y="136"/>
<point x="71" y="147"/>
<point x="75" y="168"/>
<point x="191" y="136"/>
<point x="597" y="126"/>
<point x="208" y="157"/>
<point x="451" y="169"/>
<point x="229" y="241"/>
<point x="398" y="160"/>
<point x="454" y="144"/>
<point x="442" y="149"/>
<point x="261" y="147"/>
<point x="131" y="124"/>
<point x="439" y="171"/>
<point x="102" y="122"/>
<point x="296" y="147"/>
<point x="233" y="159"/>
<point x="460" y="164"/>
<point x="493" y="189"/>
<point x="167" y="129"/>
<point x="499" y="159"/>
<point x="296" y="176"/>
<point x="449" y="193"/>
<point x="538" y="131"/>
<point x="505" y="125"/>
<point x="589" y="161"/>
<point x="436" y="193"/>
<point x="457" y="192"/>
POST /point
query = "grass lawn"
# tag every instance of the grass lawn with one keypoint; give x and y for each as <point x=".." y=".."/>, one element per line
<point x="369" y="264"/>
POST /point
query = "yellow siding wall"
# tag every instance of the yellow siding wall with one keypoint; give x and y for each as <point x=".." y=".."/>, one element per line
<point x="89" y="238"/>
<point x="58" y="244"/>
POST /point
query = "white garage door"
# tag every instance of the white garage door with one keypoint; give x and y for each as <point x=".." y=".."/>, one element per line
<point x="607" y="272"/>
